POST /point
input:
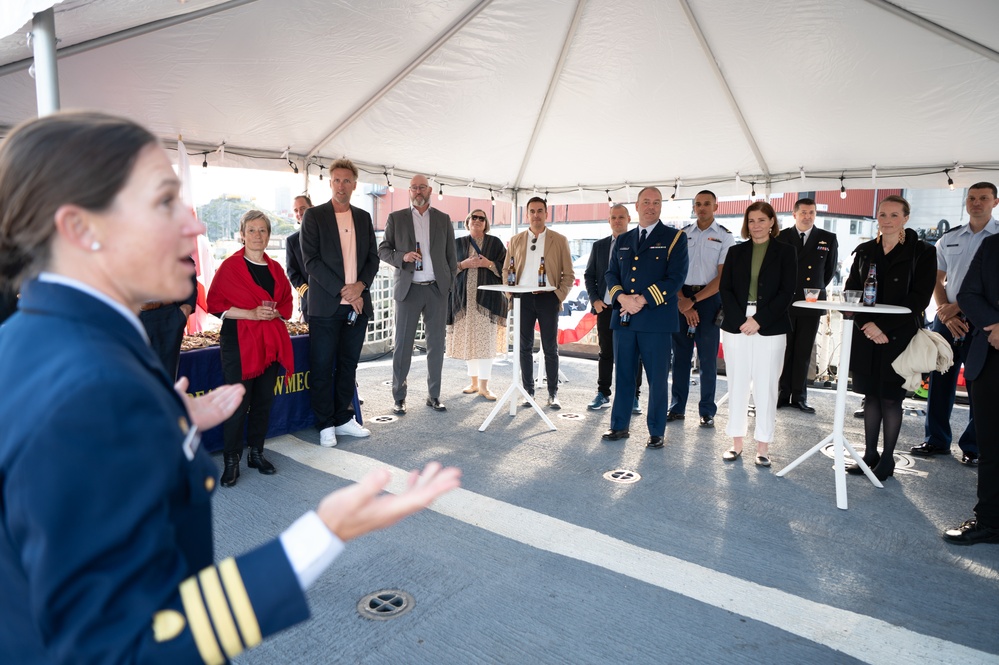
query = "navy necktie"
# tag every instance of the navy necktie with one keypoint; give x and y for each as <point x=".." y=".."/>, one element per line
<point x="802" y="234"/>
<point x="641" y="239"/>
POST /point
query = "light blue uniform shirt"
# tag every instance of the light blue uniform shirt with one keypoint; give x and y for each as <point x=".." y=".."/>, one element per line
<point x="955" y="249"/>
<point x="707" y="250"/>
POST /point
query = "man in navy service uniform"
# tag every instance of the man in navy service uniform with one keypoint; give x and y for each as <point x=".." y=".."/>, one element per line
<point x="699" y="302"/>
<point x="955" y="249"/>
<point x="294" y="263"/>
<point x="817" y="259"/>
<point x="645" y="275"/>
<point x="979" y="300"/>
<point x="596" y="288"/>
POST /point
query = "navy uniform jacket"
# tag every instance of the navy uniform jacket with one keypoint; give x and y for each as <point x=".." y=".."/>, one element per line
<point x="106" y="541"/>
<point x="774" y="291"/>
<point x="979" y="300"/>
<point x="817" y="261"/>
<point x="656" y="271"/>
<point x="294" y="265"/>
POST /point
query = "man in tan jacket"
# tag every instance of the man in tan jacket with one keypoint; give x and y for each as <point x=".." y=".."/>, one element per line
<point x="537" y="251"/>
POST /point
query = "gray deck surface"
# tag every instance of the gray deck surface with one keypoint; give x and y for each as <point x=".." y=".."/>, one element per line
<point x="539" y="559"/>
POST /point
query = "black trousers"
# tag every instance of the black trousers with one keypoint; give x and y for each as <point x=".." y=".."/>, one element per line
<point x="984" y="396"/>
<point x="605" y="362"/>
<point x="544" y="309"/>
<point x="165" y="327"/>
<point x="797" y="355"/>
<point x="255" y="409"/>
<point x="334" y="349"/>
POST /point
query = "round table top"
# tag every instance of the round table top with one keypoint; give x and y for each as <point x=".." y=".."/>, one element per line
<point x="517" y="288"/>
<point x="851" y="307"/>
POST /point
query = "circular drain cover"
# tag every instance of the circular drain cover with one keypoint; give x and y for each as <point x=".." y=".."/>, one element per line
<point x="384" y="419"/>
<point x="901" y="461"/>
<point x="622" y="476"/>
<point x="384" y="605"/>
<point x="571" y="416"/>
<point x="387" y="383"/>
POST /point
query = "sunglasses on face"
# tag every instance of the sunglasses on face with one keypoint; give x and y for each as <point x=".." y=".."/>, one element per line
<point x="478" y="218"/>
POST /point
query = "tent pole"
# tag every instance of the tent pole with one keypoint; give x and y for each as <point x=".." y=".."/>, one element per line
<point x="43" y="44"/>
<point x="936" y="29"/>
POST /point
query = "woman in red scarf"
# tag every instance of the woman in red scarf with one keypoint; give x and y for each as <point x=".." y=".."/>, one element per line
<point x="252" y="296"/>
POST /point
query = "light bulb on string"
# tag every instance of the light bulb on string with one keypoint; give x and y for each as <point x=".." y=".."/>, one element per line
<point x="609" y="199"/>
<point x="842" y="188"/>
<point x="204" y="164"/>
<point x="950" y="181"/>
<point x="440" y="192"/>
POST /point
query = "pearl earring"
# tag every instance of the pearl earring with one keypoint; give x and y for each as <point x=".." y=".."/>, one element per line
<point x="95" y="246"/>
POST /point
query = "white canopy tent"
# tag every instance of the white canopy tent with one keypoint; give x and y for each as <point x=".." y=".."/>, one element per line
<point x="584" y="99"/>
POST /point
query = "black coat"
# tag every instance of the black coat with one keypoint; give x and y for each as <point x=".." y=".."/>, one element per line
<point x="817" y="261"/>
<point x="594" y="277"/>
<point x="494" y="301"/>
<point x="979" y="300"/>
<point x="297" y="274"/>
<point x="906" y="277"/>
<point x="774" y="288"/>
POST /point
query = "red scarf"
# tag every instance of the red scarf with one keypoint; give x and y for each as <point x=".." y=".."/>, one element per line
<point x="260" y="342"/>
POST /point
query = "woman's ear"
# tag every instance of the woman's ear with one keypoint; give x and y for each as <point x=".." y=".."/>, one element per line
<point x="75" y="226"/>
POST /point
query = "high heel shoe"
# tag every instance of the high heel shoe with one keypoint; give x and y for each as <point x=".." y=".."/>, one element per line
<point x="871" y="462"/>
<point x="885" y="468"/>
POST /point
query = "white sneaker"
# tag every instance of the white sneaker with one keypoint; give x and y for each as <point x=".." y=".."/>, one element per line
<point x="352" y="428"/>
<point x="327" y="439"/>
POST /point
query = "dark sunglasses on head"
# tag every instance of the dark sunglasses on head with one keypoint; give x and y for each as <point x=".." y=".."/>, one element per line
<point x="478" y="218"/>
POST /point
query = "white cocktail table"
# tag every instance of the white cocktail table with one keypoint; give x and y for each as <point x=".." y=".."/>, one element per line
<point x="516" y="387"/>
<point x="840" y="445"/>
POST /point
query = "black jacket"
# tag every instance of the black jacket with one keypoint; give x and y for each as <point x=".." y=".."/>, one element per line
<point x="979" y="300"/>
<point x="596" y="269"/>
<point x="297" y="274"/>
<point x="817" y="261"/>
<point x="774" y="288"/>
<point x="323" y="254"/>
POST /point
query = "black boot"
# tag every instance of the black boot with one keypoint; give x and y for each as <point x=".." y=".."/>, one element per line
<point x="871" y="462"/>
<point x="256" y="461"/>
<point x="231" y="472"/>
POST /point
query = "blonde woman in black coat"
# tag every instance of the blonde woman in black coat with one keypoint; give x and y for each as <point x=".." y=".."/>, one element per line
<point x="906" y="272"/>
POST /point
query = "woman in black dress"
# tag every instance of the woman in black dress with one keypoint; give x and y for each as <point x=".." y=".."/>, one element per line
<point x="906" y="270"/>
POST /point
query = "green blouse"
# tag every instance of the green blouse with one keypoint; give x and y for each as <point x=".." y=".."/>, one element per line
<point x="759" y="251"/>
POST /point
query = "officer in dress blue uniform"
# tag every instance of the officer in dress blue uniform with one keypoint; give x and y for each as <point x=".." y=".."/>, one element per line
<point x="646" y="272"/>
<point x="707" y="245"/>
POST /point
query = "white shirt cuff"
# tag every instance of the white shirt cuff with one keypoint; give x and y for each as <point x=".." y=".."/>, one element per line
<point x="310" y="548"/>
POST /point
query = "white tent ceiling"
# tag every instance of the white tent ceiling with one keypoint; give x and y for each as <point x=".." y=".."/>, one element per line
<point x="547" y="94"/>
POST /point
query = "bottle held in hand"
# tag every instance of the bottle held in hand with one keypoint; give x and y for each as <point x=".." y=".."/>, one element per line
<point x="351" y="318"/>
<point x="542" y="282"/>
<point x="625" y="319"/>
<point x="690" y="331"/>
<point x="419" y="259"/>
<point x="511" y="274"/>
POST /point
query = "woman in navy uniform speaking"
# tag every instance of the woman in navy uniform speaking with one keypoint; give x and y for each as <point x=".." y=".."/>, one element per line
<point x="105" y="514"/>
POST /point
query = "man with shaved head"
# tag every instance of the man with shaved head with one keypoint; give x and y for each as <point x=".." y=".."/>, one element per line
<point x="419" y="242"/>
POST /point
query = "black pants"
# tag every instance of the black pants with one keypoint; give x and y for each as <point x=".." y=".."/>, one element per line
<point x="605" y="362"/>
<point x="254" y="410"/>
<point x="797" y="355"/>
<point x="334" y="349"/>
<point x="544" y="309"/>
<point x="165" y="327"/>
<point x="984" y="396"/>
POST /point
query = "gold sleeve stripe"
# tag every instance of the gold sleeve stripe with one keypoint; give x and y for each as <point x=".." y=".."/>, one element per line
<point x="656" y="294"/>
<point x="218" y="607"/>
<point x="615" y="289"/>
<point x="302" y="289"/>
<point x="197" y="619"/>
<point x="239" y="600"/>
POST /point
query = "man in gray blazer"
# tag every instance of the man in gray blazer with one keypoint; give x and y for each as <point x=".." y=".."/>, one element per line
<point x="419" y="242"/>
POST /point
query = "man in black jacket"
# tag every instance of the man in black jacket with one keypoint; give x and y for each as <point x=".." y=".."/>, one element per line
<point x="596" y="289"/>
<point x="817" y="257"/>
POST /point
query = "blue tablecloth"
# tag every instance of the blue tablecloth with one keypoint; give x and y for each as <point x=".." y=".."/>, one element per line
<point x="292" y="410"/>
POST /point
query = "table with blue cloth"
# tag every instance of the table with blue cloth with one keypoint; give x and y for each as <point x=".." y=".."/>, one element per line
<point x="292" y="410"/>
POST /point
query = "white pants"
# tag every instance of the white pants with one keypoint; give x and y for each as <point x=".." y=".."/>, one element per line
<point x="753" y="363"/>
<point x="482" y="368"/>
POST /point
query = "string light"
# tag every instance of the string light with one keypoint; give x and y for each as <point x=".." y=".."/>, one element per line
<point x="609" y="199"/>
<point x="676" y="185"/>
<point x="950" y="181"/>
<point x="492" y="197"/>
<point x="738" y="180"/>
<point x="321" y="167"/>
<point x="388" y="181"/>
<point x="440" y="192"/>
<point x="204" y="164"/>
<point x="293" y="166"/>
<point x="874" y="176"/>
<point x="753" y="193"/>
<point x="801" y="171"/>
<point x="546" y="197"/>
<point x="842" y="188"/>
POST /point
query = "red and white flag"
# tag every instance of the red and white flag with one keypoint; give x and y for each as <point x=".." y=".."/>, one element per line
<point x="203" y="261"/>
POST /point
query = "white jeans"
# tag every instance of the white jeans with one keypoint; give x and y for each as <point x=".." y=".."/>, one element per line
<point x="753" y="363"/>
<point x="482" y="368"/>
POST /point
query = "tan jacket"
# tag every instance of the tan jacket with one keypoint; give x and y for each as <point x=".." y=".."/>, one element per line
<point x="558" y="261"/>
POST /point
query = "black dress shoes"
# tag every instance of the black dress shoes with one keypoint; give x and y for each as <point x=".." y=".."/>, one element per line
<point x="926" y="450"/>
<point x="707" y="421"/>
<point x="256" y="460"/>
<point x="435" y="404"/>
<point x="871" y="462"/>
<point x="231" y="472"/>
<point x="972" y="533"/>
<point x="670" y="417"/>
<point x="884" y="468"/>
<point x="400" y="407"/>
<point x="655" y="441"/>
<point x="615" y="434"/>
<point x="969" y="459"/>
<point x="803" y="407"/>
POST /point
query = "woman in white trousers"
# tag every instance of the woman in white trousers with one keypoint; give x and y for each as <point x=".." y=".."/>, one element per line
<point x="757" y="286"/>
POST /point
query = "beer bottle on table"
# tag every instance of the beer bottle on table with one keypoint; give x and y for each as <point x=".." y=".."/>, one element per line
<point x="511" y="274"/>
<point x="419" y="259"/>
<point x="541" y="274"/>
<point x="871" y="286"/>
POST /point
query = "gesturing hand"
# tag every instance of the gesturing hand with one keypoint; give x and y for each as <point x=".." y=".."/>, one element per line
<point x="361" y="508"/>
<point x="212" y="408"/>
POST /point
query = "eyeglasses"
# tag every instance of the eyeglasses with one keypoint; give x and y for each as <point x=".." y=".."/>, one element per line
<point x="478" y="218"/>
<point x="419" y="188"/>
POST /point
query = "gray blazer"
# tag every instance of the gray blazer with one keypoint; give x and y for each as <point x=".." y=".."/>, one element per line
<point x="400" y="238"/>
